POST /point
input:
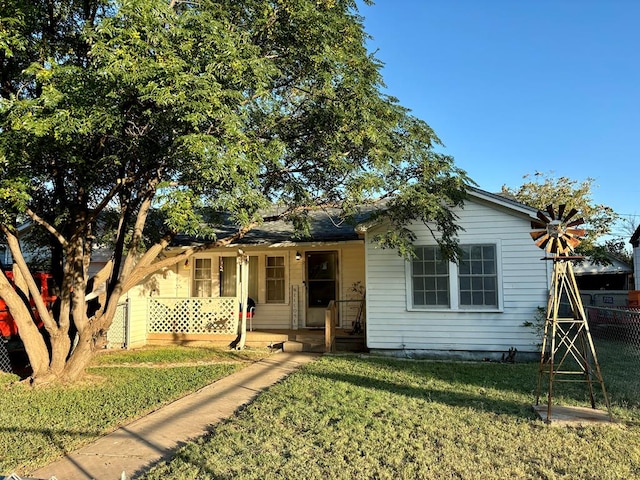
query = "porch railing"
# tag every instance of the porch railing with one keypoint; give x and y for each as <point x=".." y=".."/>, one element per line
<point x="193" y="315"/>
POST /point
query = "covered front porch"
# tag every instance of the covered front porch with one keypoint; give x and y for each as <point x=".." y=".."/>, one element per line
<point x="218" y="321"/>
<point x="292" y="288"/>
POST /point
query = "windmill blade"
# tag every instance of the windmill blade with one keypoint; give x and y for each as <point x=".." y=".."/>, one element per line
<point x="536" y="224"/>
<point x="536" y="234"/>
<point x="561" y="209"/>
<point x="576" y="232"/>
<point x="564" y="244"/>
<point x="579" y="221"/>
<point x="571" y="213"/>
<point x="543" y="241"/>
<point x="573" y="242"/>
<point x="550" y="211"/>
<point x="542" y="217"/>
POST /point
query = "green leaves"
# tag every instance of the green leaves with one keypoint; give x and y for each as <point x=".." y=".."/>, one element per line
<point x="540" y="190"/>
<point x="235" y="104"/>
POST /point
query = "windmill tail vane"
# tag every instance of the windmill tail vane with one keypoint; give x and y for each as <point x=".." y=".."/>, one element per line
<point x="556" y="233"/>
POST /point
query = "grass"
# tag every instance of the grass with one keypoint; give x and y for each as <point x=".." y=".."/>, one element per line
<point x="340" y="417"/>
<point x="38" y="425"/>
<point x="364" y="417"/>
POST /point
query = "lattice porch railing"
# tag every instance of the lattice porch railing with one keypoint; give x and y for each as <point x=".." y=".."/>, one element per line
<point x="193" y="315"/>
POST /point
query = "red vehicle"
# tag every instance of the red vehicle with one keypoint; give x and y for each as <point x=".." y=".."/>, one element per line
<point x="8" y="327"/>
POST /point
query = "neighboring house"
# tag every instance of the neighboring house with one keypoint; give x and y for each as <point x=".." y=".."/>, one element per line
<point x="473" y="309"/>
<point x="418" y="307"/>
<point x="613" y="276"/>
<point x="30" y="254"/>
<point x="604" y="285"/>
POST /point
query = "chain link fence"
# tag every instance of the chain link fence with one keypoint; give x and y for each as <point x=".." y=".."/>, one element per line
<point x="616" y="335"/>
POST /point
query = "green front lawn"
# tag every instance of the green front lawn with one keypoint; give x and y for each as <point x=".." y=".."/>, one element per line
<point x="38" y="425"/>
<point x="340" y="417"/>
<point x="357" y="417"/>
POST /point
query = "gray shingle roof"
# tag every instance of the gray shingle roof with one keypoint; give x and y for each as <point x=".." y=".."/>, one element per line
<point x="324" y="227"/>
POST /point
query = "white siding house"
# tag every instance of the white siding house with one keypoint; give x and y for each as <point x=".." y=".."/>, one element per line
<point x="475" y="309"/>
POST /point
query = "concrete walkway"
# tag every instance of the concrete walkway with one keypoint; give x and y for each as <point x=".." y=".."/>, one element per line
<point x="136" y="447"/>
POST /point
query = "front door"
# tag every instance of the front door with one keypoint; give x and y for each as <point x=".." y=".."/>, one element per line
<point x="322" y="274"/>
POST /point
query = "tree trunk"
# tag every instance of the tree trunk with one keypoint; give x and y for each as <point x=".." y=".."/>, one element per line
<point x="60" y="347"/>
<point x="80" y="358"/>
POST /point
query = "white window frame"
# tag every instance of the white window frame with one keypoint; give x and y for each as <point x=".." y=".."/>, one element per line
<point x="454" y="287"/>
<point x="194" y="280"/>
<point x="285" y="279"/>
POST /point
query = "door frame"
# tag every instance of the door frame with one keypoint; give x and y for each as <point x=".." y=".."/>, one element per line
<point x="313" y="318"/>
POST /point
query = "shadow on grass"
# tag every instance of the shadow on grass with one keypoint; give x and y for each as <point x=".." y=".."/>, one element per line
<point x="480" y="401"/>
<point x="521" y="379"/>
<point x="56" y="437"/>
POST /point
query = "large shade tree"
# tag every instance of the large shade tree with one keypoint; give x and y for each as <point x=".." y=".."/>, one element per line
<point x="111" y="111"/>
<point x="541" y="189"/>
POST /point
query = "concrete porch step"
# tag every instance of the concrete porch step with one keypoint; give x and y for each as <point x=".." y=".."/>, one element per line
<point x="351" y="343"/>
<point x="297" y="346"/>
<point x="304" y="343"/>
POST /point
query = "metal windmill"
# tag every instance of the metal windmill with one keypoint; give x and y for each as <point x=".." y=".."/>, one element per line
<point x="568" y="353"/>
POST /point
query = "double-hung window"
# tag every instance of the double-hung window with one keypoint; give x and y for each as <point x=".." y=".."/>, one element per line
<point x="472" y="283"/>
<point x="478" y="276"/>
<point x="275" y="273"/>
<point x="202" y="283"/>
<point x="430" y="278"/>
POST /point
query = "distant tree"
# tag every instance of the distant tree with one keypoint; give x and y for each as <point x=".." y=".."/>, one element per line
<point x="540" y="190"/>
<point x="112" y="110"/>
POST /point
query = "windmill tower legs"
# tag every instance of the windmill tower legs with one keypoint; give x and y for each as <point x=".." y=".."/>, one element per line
<point x="568" y="353"/>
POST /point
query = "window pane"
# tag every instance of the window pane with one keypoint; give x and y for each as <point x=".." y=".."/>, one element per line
<point x="489" y="266"/>
<point x="464" y="268"/>
<point x="476" y="268"/>
<point x="442" y="268"/>
<point x="429" y="283"/>
<point x="465" y="298"/>
<point x="490" y="298"/>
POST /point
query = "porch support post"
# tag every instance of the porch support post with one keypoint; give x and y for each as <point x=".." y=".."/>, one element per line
<point x="330" y="327"/>
<point x="243" y="291"/>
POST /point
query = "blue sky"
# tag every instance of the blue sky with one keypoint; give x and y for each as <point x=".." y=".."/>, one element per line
<point x="517" y="86"/>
